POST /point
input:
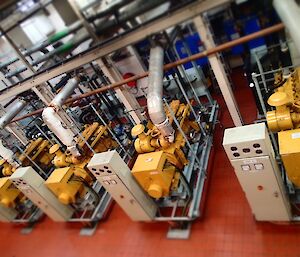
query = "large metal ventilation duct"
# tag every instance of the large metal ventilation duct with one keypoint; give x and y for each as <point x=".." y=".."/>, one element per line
<point x="155" y="94"/>
<point x="12" y="112"/>
<point x="55" y="123"/>
<point x="289" y="12"/>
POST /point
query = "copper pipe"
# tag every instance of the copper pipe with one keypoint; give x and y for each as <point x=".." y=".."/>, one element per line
<point x="36" y="112"/>
<point x="206" y="53"/>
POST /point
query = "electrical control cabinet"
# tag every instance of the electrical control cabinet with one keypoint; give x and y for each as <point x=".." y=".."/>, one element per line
<point x="32" y="185"/>
<point x="115" y="176"/>
<point x="250" y="152"/>
<point x="7" y="214"/>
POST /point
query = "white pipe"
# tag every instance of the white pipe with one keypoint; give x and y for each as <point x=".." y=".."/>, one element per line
<point x="155" y="93"/>
<point x="66" y="91"/>
<point x="289" y="13"/>
<point x="12" y="112"/>
<point x="55" y="124"/>
<point x="7" y="154"/>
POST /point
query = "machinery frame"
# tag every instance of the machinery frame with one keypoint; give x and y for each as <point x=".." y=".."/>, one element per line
<point x="197" y="165"/>
<point x="261" y="81"/>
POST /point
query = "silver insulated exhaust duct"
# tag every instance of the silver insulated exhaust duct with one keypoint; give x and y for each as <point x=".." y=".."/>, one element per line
<point x="155" y="93"/>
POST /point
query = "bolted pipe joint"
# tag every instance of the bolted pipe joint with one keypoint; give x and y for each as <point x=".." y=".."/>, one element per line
<point x="155" y="93"/>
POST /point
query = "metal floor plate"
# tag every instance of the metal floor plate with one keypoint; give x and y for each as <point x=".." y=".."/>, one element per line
<point x="88" y="231"/>
<point x="177" y="233"/>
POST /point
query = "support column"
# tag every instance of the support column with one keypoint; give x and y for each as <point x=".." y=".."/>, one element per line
<point x="219" y="71"/>
<point x="86" y="25"/>
<point x="18" y="133"/>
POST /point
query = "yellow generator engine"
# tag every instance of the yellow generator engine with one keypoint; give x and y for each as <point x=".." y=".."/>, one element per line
<point x="37" y="150"/>
<point x="286" y="100"/>
<point x="159" y="163"/>
<point x="285" y="120"/>
<point x="6" y="168"/>
<point x="9" y="194"/>
<point x="71" y="177"/>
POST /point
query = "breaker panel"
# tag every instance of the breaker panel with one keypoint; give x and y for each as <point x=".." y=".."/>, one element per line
<point x="115" y="176"/>
<point x="33" y="186"/>
<point x="251" y="154"/>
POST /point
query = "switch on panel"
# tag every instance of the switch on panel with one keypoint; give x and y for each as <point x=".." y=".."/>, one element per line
<point x="259" y="166"/>
<point x="246" y="168"/>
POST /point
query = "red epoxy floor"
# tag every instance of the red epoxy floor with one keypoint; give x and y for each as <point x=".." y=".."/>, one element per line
<point x="227" y="228"/>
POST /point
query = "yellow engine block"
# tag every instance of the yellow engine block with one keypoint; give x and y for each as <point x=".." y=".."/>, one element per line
<point x="37" y="150"/>
<point x="64" y="183"/>
<point x="289" y="145"/>
<point x="9" y="194"/>
<point x="158" y="165"/>
<point x="7" y="168"/>
<point x="67" y="181"/>
<point x="155" y="174"/>
<point x="286" y="121"/>
<point x="286" y="100"/>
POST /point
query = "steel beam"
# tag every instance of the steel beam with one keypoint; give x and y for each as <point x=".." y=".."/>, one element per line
<point x="219" y="71"/>
<point x="153" y="27"/>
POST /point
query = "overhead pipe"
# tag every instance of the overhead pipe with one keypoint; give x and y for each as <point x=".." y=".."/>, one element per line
<point x="66" y="92"/>
<point x="137" y="9"/>
<point x="289" y="13"/>
<point x="110" y="10"/>
<point x="52" y="39"/>
<point x="54" y="122"/>
<point x="64" y="80"/>
<point x="204" y="54"/>
<point x="12" y="112"/>
<point x="30" y="14"/>
<point x="61" y="49"/>
<point x="155" y="94"/>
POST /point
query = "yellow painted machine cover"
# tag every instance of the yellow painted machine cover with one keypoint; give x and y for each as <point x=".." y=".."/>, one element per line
<point x="289" y="148"/>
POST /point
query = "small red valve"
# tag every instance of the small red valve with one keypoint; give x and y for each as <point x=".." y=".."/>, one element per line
<point x="127" y="76"/>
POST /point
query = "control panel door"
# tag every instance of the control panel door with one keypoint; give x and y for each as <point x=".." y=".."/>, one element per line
<point x="263" y="186"/>
<point x="124" y="197"/>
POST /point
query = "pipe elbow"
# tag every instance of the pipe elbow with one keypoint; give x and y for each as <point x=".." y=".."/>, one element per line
<point x="65" y="135"/>
<point x="155" y="109"/>
<point x="155" y="93"/>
